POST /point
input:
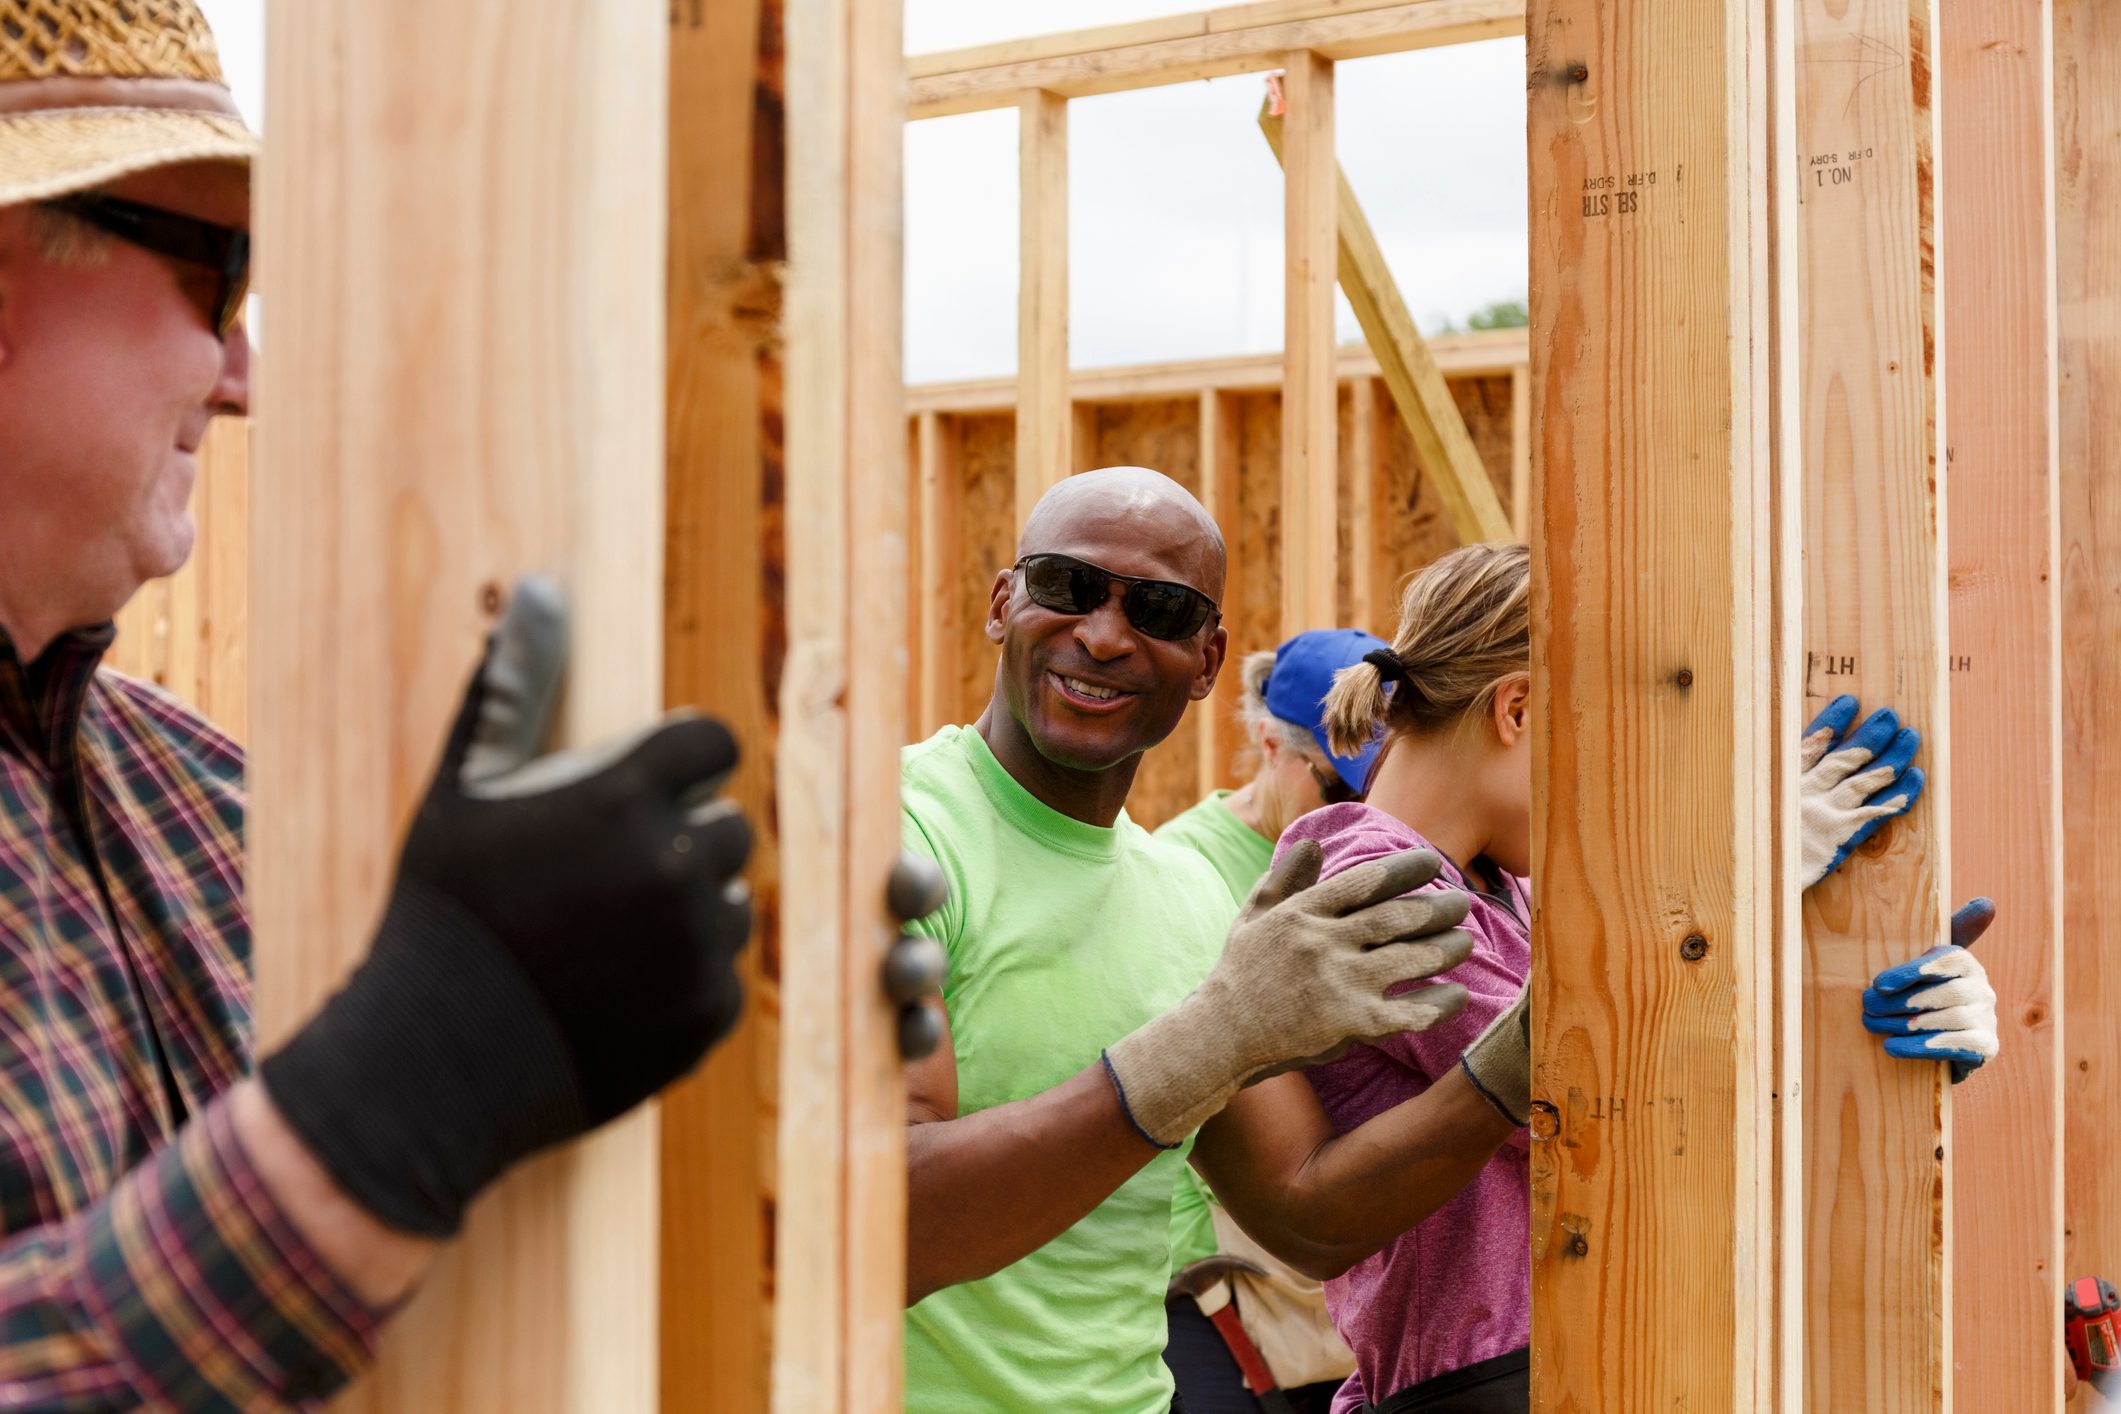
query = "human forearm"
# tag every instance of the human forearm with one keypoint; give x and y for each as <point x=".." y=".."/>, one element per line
<point x="380" y="1263"/>
<point x="189" y="1286"/>
<point x="990" y="1188"/>
<point x="1348" y="1196"/>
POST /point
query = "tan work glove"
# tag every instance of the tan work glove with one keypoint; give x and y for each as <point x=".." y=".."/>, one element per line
<point x="1302" y="978"/>
<point x="1499" y="1062"/>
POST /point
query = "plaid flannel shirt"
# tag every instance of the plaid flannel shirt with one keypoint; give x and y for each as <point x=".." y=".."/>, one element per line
<point x="143" y="1263"/>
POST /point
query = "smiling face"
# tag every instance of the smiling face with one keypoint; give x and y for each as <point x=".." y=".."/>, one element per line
<point x="1090" y="691"/>
<point x="110" y="372"/>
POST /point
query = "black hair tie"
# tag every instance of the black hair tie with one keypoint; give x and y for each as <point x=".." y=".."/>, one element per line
<point x="1389" y="668"/>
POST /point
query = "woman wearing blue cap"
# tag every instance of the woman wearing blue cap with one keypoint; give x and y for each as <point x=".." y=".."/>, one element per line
<point x="1294" y="771"/>
<point x="1398" y="1171"/>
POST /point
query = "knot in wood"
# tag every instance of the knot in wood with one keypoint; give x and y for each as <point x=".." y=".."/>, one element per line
<point x="1695" y="948"/>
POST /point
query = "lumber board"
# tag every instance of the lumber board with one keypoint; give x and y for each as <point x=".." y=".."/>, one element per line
<point x="1865" y="394"/>
<point x="1227" y="19"/>
<point x="840" y="1264"/>
<point x="724" y="633"/>
<point x="1479" y="354"/>
<point x="1256" y="532"/>
<point x="1044" y="417"/>
<point x="1310" y="388"/>
<point x="1357" y="516"/>
<point x="1995" y="281"/>
<point x="1411" y="527"/>
<point x="984" y="454"/>
<point x="1653" y="611"/>
<point x="1521" y="453"/>
<point x="919" y="455"/>
<point x="499" y="411"/>
<point x="188" y="632"/>
<point x="1084" y="450"/>
<point x="1168" y="52"/>
<point x="1417" y="385"/>
<point x="2087" y="176"/>
<point x="1217" y="442"/>
<point x="940" y="571"/>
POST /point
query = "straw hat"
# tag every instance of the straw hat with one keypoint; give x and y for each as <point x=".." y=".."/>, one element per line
<point x="94" y="90"/>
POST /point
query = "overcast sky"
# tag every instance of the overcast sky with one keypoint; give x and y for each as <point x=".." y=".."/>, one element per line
<point x="1175" y="235"/>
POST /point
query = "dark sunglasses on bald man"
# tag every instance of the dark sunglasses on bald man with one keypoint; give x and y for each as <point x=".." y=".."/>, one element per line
<point x="1160" y="608"/>
<point x="222" y="251"/>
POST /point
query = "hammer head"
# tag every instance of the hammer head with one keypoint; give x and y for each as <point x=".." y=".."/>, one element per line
<point x="1197" y="1279"/>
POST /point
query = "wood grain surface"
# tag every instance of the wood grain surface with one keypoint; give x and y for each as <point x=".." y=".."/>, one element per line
<point x="2087" y="157"/>
<point x="1876" y="1138"/>
<point x="1655" y="804"/>
<point x="463" y="242"/>
<point x="1996" y="278"/>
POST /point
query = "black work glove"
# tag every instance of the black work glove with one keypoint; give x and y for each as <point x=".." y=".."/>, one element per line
<point x="558" y="945"/>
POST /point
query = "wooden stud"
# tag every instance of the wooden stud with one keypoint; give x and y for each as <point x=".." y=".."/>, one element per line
<point x="1310" y="389"/>
<point x="1357" y="515"/>
<point x="840" y="1254"/>
<point x="940" y="565"/>
<point x="2087" y="166"/>
<point x="1218" y="492"/>
<point x="1043" y="417"/>
<point x="723" y="638"/>
<point x="1184" y="48"/>
<point x="500" y="411"/>
<point x="1484" y="353"/>
<point x="1655" y="802"/>
<point x="1085" y="449"/>
<point x="1521" y="453"/>
<point x="1416" y="384"/>
<point x="1995" y="282"/>
<point x="1859" y="247"/>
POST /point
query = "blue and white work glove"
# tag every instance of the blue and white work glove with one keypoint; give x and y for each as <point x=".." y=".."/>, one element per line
<point x="1940" y="1006"/>
<point x="1851" y="785"/>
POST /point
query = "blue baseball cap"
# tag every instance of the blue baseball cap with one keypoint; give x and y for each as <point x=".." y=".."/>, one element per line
<point x="1303" y="675"/>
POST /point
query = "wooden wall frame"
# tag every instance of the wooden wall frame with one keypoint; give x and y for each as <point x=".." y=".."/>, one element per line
<point x="1656" y="602"/>
<point x="1862" y="386"/>
<point x="1786" y="1325"/>
<point x="1996" y="273"/>
<point x="500" y="411"/>
<point x="2087" y="191"/>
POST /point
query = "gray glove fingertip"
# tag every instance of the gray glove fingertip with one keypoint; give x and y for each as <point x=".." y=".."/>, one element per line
<point x="1376" y="880"/>
<point x="1424" y="1007"/>
<point x="1296" y="871"/>
<point x="1398" y="920"/>
<point x="520" y="682"/>
<point x="1413" y="960"/>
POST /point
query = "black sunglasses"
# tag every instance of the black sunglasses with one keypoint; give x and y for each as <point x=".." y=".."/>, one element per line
<point x="1331" y="788"/>
<point x="1158" y="607"/>
<point x="221" y="250"/>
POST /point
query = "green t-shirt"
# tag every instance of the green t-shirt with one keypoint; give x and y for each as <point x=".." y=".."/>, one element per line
<point x="1062" y="938"/>
<point x="1212" y="830"/>
<point x="1241" y="855"/>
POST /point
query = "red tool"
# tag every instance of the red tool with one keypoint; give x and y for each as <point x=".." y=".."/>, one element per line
<point x="2090" y="1325"/>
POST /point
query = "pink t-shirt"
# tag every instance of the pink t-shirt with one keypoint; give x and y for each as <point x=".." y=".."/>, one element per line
<point x="1457" y="1288"/>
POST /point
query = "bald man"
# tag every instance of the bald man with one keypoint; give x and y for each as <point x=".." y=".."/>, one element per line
<point x="1100" y="1001"/>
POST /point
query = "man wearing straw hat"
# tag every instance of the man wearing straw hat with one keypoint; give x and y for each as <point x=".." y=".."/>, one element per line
<point x="175" y="1231"/>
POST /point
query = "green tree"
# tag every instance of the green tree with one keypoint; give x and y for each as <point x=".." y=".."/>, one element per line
<point x="1502" y="314"/>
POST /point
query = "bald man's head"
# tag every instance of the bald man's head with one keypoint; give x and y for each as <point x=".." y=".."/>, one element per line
<point x="1091" y="691"/>
<point x="1143" y="503"/>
